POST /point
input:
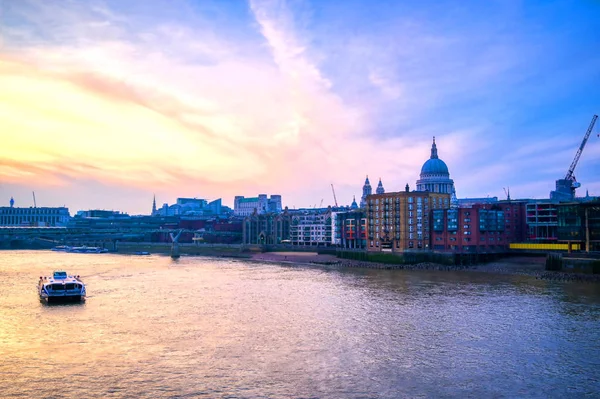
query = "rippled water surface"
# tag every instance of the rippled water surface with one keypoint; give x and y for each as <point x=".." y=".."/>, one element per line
<point x="202" y="327"/>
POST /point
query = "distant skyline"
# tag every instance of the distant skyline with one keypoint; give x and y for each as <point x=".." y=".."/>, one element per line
<point x="105" y="103"/>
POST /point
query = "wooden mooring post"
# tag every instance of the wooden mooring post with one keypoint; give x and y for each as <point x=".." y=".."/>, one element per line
<point x="554" y="262"/>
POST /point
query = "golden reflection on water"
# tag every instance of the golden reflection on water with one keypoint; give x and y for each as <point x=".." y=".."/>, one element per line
<point x="200" y="326"/>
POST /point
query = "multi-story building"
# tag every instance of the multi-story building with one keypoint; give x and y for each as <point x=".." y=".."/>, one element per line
<point x="350" y="229"/>
<point x="398" y="221"/>
<point x="478" y="228"/>
<point x="542" y="221"/>
<point x="312" y="227"/>
<point x="35" y="216"/>
<point x="262" y="204"/>
<point x="580" y="223"/>
<point x="267" y="228"/>
<point x="189" y="207"/>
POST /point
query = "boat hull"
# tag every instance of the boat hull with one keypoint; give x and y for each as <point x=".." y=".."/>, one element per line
<point x="62" y="299"/>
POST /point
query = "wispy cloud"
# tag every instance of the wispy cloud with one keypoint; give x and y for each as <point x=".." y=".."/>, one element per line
<point x="213" y="99"/>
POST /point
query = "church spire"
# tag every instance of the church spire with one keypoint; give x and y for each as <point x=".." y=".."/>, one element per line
<point x="380" y="189"/>
<point x="367" y="190"/>
<point x="154" y="206"/>
<point x="434" y="154"/>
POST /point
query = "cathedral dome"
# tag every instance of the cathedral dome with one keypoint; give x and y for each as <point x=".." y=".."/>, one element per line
<point x="434" y="166"/>
<point x="435" y="177"/>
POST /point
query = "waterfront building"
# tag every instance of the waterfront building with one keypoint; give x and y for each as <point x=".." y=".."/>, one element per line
<point x="312" y="227"/>
<point x="267" y="228"/>
<point x="263" y="204"/>
<point x="34" y="216"/>
<point x="350" y="229"/>
<point x="480" y="228"/>
<point x="214" y="231"/>
<point x="335" y="228"/>
<point x="542" y="221"/>
<point x="366" y="191"/>
<point x="579" y="222"/>
<point x="435" y="176"/>
<point x="398" y="221"/>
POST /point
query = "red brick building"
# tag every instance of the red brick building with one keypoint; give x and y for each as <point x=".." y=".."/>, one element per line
<point x="479" y="228"/>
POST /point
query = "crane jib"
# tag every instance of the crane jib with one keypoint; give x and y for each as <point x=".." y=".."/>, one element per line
<point x="569" y="175"/>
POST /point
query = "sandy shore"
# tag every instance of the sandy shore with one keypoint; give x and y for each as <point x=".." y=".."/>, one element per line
<point x="518" y="265"/>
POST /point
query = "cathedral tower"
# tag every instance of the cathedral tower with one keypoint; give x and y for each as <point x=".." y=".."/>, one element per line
<point x="366" y="191"/>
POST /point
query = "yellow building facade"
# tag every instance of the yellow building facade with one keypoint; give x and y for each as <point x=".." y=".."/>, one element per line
<point x="400" y="221"/>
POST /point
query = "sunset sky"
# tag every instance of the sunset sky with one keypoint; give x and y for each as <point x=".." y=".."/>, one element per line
<point x="104" y="103"/>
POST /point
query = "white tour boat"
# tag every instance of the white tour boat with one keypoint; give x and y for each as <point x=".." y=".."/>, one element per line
<point x="61" y="287"/>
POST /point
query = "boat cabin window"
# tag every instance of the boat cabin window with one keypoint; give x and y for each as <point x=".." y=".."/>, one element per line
<point x="69" y="286"/>
<point x="58" y="287"/>
<point x="60" y="275"/>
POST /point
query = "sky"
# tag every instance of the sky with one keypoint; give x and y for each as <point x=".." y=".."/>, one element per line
<point x="104" y="104"/>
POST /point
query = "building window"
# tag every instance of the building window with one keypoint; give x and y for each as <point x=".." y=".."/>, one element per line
<point x="410" y="200"/>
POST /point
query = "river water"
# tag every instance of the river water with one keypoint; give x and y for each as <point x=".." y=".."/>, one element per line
<point x="203" y="327"/>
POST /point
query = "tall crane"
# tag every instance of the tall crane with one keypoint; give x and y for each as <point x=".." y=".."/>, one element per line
<point x="334" y="199"/>
<point x="507" y="192"/>
<point x="565" y="188"/>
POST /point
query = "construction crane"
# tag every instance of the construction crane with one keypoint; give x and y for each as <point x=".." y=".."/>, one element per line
<point x="334" y="199"/>
<point x="507" y="192"/>
<point x="565" y="188"/>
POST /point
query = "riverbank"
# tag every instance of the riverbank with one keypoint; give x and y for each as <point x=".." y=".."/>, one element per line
<point x="518" y="265"/>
